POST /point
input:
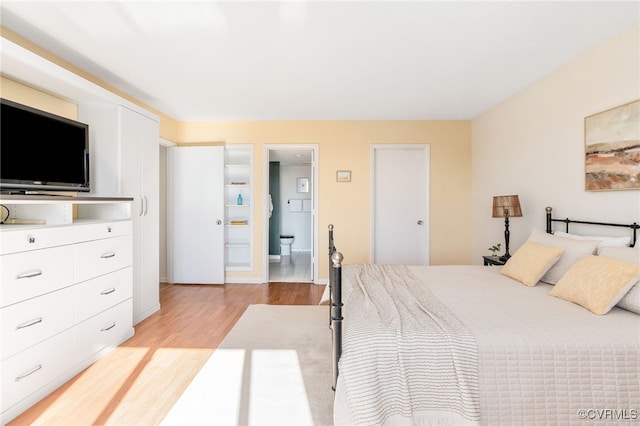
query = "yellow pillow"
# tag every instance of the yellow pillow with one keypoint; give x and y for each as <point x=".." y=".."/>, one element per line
<point x="597" y="283"/>
<point x="530" y="262"/>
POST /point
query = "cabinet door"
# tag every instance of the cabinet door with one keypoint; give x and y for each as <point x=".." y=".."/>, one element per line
<point x="151" y="224"/>
<point x="197" y="223"/>
<point x="139" y="173"/>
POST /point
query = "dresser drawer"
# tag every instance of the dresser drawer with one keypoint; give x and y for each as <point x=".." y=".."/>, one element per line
<point x="105" y="330"/>
<point x="100" y="257"/>
<point x="31" y="369"/>
<point x="96" y="231"/>
<point x="26" y="323"/>
<point x="101" y="293"/>
<point x="30" y="274"/>
<point x="19" y="240"/>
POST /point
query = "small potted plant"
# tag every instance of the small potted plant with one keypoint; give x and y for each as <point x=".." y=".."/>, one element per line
<point x="494" y="249"/>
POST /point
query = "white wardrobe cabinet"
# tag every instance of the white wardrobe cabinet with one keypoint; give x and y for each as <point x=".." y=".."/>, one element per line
<point x="65" y="298"/>
<point x="126" y="144"/>
<point x="139" y="174"/>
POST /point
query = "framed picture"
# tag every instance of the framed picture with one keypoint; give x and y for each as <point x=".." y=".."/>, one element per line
<point x="303" y="184"/>
<point x="343" y="176"/>
<point x="612" y="148"/>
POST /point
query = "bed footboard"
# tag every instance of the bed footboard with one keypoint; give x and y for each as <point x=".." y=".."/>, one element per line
<point x="336" y="312"/>
<point x="335" y="305"/>
<point x="332" y="249"/>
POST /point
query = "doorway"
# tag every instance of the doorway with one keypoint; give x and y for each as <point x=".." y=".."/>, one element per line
<point x="400" y="204"/>
<point x="290" y="234"/>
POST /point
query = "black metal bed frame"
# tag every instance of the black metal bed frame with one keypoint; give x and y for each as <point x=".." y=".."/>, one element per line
<point x="335" y="281"/>
<point x="335" y="311"/>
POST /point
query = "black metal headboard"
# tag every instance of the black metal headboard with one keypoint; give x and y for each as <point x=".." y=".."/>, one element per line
<point x="634" y="226"/>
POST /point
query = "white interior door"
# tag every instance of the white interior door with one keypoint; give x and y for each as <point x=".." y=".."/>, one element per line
<point x="400" y="204"/>
<point x="197" y="222"/>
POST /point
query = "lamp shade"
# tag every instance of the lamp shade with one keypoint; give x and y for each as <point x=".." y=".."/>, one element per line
<point x="506" y="206"/>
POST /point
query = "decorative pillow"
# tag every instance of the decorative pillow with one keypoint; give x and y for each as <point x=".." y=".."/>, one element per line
<point x="597" y="283"/>
<point x="574" y="250"/>
<point x="530" y="262"/>
<point x="602" y="241"/>
<point x="631" y="300"/>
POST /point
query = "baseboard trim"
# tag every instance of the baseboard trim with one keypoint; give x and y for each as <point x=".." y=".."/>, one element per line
<point x="240" y="280"/>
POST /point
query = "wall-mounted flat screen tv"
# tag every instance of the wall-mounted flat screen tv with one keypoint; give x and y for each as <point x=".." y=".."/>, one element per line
<point x="40" y="151"/>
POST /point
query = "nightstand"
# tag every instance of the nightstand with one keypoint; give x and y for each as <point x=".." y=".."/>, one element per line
<point x="493" y="261"/>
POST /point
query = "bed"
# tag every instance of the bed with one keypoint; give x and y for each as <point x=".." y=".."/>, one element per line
<point x="470" y="344"/>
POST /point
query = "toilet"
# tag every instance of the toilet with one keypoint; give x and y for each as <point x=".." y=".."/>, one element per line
<point x="285" y="245"/>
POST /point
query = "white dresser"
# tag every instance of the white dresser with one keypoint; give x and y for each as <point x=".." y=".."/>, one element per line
<point x="65" y="294"/>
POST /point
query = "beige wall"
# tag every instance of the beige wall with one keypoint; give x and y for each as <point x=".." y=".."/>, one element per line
<point x="25" y="95"/>
<point x="532" y="144"/>
<point x="342" y="145"/>
<point x="345" y="145"/>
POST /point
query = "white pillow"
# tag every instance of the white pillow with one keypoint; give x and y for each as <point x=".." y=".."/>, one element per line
<point x="631" y="300"/>
<point x="574" y="250"/>
<point x="602" y="241"/>
<point x="628" y="254"/>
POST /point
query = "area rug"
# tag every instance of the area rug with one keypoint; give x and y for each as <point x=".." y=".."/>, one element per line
<point x="273" y="368"/>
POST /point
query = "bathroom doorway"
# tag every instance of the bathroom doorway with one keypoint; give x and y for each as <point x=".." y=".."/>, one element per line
<point x="290" y="234"/>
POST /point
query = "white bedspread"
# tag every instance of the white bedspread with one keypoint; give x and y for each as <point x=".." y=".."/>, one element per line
<point x="422" y="359"/>
<point x="541" y="360"/>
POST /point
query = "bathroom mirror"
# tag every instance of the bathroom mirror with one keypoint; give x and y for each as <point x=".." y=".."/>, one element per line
<point x="303" y="184"/>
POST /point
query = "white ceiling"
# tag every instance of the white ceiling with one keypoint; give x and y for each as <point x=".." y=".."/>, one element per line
<point x="319" y="60"/>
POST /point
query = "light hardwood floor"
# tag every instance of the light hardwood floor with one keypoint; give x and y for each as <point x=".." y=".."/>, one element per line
<point x="139" y="382"/>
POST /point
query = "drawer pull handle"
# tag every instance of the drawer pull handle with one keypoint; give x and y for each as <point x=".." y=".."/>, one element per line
<point x="109" y="327"/>
<point x="108" y="291"/>
<point x="28" y="373"/>
<point x="108" y="255"/>
<point x="31" y="239"/>
<point x="29" y="274"/>
<point x="29" y="323"/>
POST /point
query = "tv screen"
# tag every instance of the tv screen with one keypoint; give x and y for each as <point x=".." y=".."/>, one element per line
<point x="41" y="151"/>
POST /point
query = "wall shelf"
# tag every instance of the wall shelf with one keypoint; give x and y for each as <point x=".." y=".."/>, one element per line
<point x="63" y="210"/>
<point x="238" y="180"/>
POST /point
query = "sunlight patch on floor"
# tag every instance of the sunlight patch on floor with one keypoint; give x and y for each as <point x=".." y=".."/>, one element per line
<point x="278" y="395"/>
<point x="149" y="398"/>
<point x="214" y="395"/>
<point x="264" y="387"/>
<point x="104" y="378"/>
